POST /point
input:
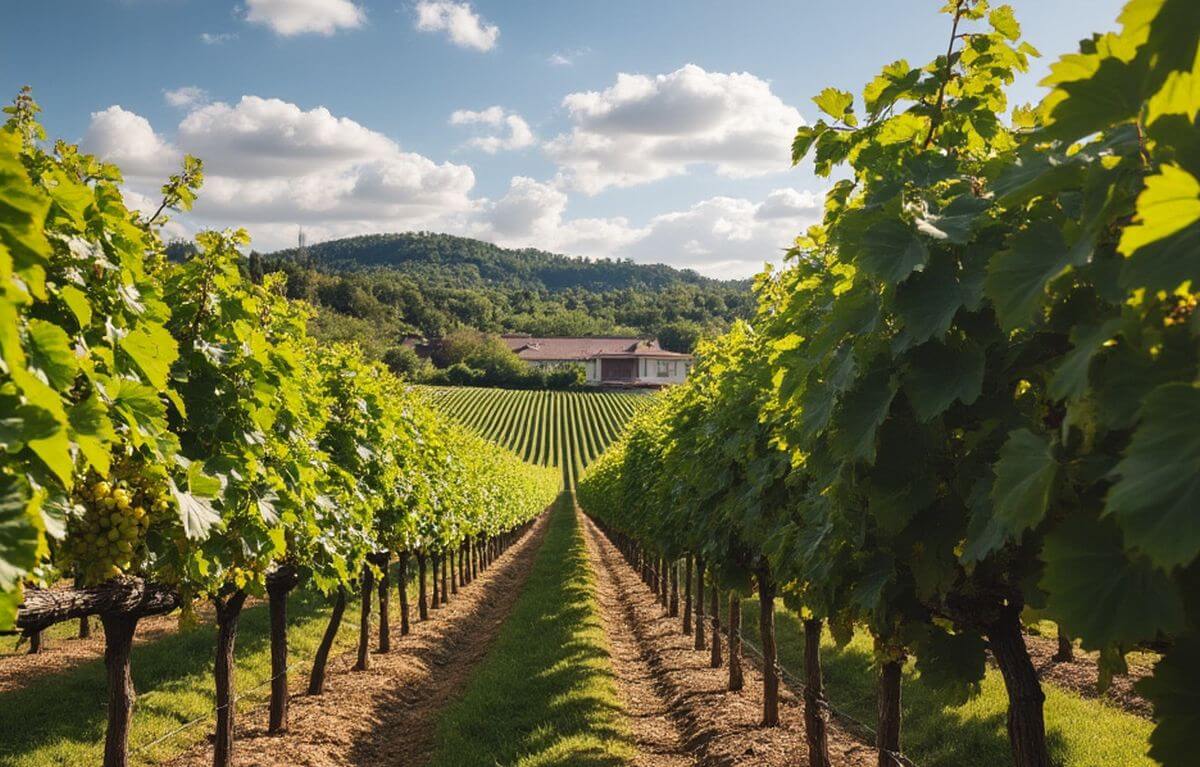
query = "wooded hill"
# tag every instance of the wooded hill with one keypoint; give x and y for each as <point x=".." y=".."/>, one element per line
<point x="428" y="284"/>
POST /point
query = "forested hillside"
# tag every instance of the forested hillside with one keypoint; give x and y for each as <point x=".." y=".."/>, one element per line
<point x="428" y="284"/>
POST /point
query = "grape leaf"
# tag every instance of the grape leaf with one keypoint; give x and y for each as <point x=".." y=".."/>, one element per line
<point x="19" y="542"/>
<point x="1071" y="377"/>
<point x="1004" y="21"/>
<point x="50" y="352"/>
<point x="837" y="104"/>
<point x="1156" y="498"/>
<point x="1175" y="692"/>
<point x="1170" y="203"/>
<point x="937" y="375"/>
<point x="1025" y="479"/>
<point x="1017" y="277"/>
<point x="196" y="513"/>
<point x="1099" y="593"/>
<point x="153" y="350"/>
<point x="891" y="249"/>
<point x="859" y="415"/>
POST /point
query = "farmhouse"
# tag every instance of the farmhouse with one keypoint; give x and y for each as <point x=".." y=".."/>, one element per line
<point x="606" y="359"/>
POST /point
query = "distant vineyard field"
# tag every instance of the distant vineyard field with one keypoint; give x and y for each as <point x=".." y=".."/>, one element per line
<point x="548" y="428"/>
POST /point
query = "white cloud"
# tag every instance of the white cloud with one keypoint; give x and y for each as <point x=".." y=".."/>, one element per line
<point x="217" y="38"/>
<point x="642" y="129"/>
<point x="296" y="17"/>
<point x="465" y="27"/>
<point x="128" y="139"/>
<point x="186" y="96"/>
<point x="270" y="166"/>
<point x="720" y="236"/>
<point x="520" y="135"/>
<point x="566" y="58"/>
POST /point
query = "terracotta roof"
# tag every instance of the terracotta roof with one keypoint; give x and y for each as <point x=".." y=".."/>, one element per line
<point x="584" y="348"/>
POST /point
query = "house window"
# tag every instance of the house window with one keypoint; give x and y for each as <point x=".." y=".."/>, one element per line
<point x="664" y="368"/>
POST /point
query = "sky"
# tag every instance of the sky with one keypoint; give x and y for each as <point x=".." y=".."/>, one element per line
<point x="658" y="131"/>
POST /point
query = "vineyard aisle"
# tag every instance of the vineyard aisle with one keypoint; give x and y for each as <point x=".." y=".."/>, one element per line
<point x="682" y="710"/>
<point x="386" y="715"/>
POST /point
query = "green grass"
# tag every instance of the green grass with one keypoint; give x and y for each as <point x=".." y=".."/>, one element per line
<point x="545" y="694"/>
<point x="1081" y="732"/>
<point x="60" y="719"/>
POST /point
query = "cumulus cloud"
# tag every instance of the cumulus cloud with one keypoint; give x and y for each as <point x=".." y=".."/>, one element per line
<point x="127" y="139"/>
<point x="519" y="134"/>
<point x="642" y="129"/>
<point x="271" y="165"/>
<point x="186" y="96"/>
<point x="720" y="236"/>
<point x="459" y="21"/>
<point x="297" y="17"/>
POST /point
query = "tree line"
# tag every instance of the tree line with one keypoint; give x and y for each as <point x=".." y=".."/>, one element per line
<point x="969" y="398"/>
<point x="172" y="433"/>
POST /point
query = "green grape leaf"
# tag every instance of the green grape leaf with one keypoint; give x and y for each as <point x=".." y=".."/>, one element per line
<point x="92" y="431"/>
<point x="891" y="250"/>
<point x="937" y="375"/>
<point x="896" y="80"/>
<point x="25" y="423"/>
<point x="1004" y="21"/>
<point x="1108" y="91"/>
<point x="859" y="415"/>
<point x="197" y="514"/>
<point x="1071" y="377"/>
<point x="953" y="663"/>
<point x="1174" y="689"/>
<point x="837" y="104"/>
<point x="77" y="301"/>
<point x="927" y="302"/>
<point x="1025" y="480"/>
<point x="1101" y="595"/>
<point x="19" y="532"/>
<point x="1158" y="491"/>
<point x="1017" y="277"/>
<point x="152" y="349"/>
<point x="954" y="223"/>
<point x="50" y="352"/>
<point x="1169" y="204"/>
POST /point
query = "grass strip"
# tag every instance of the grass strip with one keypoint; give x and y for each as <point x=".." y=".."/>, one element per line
<point x="60" y="719"/>
<point x="545" y="693"/>
<point x="936" y="733"/>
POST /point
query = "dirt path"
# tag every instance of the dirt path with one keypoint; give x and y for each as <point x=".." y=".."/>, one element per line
<point x="657" y="733"/>
<point x="386" y="716"/>
<point x="667" y="679"/>
<point x="1079" y="675"/>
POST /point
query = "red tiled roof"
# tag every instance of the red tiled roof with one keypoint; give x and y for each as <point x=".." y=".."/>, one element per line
<point x="583" y="348"/>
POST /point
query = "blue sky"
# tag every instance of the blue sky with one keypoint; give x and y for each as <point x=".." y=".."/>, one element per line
<point x="339" y="115"/>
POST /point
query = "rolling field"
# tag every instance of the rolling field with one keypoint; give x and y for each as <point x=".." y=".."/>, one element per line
<point x="548" y="428"/>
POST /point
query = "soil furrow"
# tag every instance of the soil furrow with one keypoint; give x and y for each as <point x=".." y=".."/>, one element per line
<point x="387" y="714"/>
<point x="718" y="727"/>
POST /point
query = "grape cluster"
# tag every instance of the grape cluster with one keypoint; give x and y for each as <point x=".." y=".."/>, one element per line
<point x="105" y="540"/>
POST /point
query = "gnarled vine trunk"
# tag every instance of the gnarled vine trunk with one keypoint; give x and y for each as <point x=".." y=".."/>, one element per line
<point x="816" y="705"/>
<point x="402" y="572"/>
<point x="279" y="584"/>
<point x="385" y="602"/>
<point x="1066" y="650"/>
<point x="687" y="595"/>
<point x="700" y="628"/>
<point x="229" y="609"/>
<point x="364" y="620"/>
<point x="85" y="627"/>
<point x="445" y="570"/>
<point x="737" y="679"/>
<point x="766" y="629"/>
<point x="673" y="609"/>
<point x="118" y="650"/>
<point x="422" y="597"/>
<point x="1026" y="722"/>
<point x="316" y="680"/>
<point x="887" y="732"/>
<point x="715" y="659"/>
<point x="435" y="596"/>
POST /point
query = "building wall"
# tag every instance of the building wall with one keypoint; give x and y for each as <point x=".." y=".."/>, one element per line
<point x="648" y="370"/>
